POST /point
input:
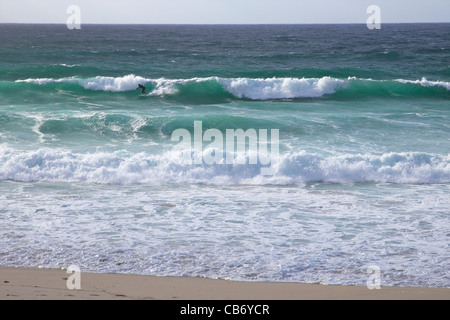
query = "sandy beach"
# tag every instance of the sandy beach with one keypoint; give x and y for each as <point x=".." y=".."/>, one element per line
<point x="49" y="284"/>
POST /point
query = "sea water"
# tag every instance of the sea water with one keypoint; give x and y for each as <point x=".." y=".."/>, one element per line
<point x="88" y="175"/>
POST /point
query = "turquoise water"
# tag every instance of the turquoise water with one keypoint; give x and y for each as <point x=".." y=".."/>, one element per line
<point x="88" y="175"/>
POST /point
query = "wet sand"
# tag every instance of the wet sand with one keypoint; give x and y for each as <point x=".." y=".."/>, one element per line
<point x="51" y="284"/>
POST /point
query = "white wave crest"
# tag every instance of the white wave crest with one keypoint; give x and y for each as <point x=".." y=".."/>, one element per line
<point x="119" y="84"/>
<point x="281" y="88"/>
<point x="248" y="88"/>
<point x="257" y="89"/>
<point x="99" y="83"/>
<point x="40" y="81"/>
<point x="413" y="168"/>
<point x="122" y="167"/>
<point x="426" y="83"/>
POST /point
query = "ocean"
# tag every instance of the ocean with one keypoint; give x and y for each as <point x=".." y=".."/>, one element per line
<point x="90" y="170"/>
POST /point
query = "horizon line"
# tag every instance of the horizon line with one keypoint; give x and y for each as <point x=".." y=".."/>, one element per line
<point x="217" y="24"/>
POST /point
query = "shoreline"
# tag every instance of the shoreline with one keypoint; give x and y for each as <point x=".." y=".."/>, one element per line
<point x="51" y="284"/>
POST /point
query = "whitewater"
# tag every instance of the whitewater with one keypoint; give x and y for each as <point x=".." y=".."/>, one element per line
<point x="122" y="167"/>
<point x="255" y="89"/>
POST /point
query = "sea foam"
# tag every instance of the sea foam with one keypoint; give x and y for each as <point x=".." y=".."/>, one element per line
<point x="123" y="167"/>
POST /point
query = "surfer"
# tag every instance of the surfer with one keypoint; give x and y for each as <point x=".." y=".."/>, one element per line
<point x="141" y="87"/>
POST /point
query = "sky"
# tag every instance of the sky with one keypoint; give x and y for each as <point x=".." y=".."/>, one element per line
<point x="223" y="11"/>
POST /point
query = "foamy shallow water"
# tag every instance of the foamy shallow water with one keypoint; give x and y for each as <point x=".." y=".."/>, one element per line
<point x="314" y="232"/>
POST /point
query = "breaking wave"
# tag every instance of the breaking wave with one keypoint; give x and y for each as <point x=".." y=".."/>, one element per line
<point x="123" y="167"/>
<point x="257" y="88"/>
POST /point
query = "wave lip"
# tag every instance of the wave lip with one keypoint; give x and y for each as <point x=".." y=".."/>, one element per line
<point x="426" y="83"/>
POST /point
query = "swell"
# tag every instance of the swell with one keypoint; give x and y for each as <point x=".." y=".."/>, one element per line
<point x="100" y="125"/>
<point x="223" y="89"/>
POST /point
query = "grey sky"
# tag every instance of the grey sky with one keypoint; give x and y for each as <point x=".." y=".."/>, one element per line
<point x="223" y="11"/>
